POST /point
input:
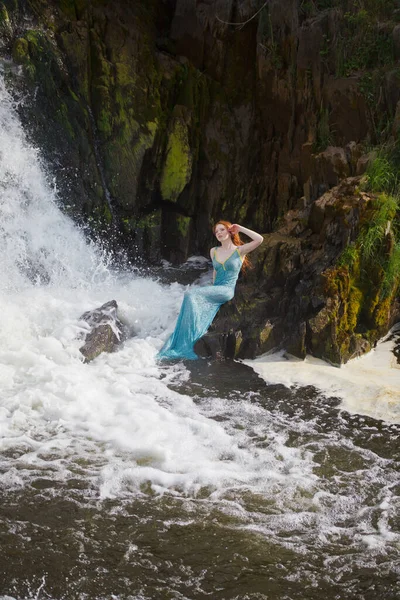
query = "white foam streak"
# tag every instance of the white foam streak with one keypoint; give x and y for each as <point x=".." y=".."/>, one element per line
<point x="369" y="385"/>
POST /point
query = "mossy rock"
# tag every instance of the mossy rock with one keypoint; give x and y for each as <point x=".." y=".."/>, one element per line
<point x="177" y="228"/>
<point x="20" y="51"/>
<point x="177" y="168"/>
<point x="68" y="8"/>
<point x="6" y="30"/>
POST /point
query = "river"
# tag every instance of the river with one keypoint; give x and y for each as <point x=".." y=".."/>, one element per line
<point x="127" y="479"/>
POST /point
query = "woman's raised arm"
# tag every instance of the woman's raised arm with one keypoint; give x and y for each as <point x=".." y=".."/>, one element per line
<point x="256" y="238"/>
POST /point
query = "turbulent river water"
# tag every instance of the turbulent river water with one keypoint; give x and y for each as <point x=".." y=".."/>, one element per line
<point x="125" y="478"/>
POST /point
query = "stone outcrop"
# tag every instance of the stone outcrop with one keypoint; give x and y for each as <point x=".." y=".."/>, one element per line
<point x="300" y="296"/>
<point x="106" y="332"/>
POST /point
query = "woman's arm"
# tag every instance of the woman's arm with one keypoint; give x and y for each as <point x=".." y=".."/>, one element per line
<point x="257" y="239"/>
<point x="212" y="256"/>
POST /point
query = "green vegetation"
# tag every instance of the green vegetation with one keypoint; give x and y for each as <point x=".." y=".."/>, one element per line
<point x="377" y="9"/>
<point x="20" y="51"/>
<point x="324" y="133"/>
<point x="178" y="164"/>
<point x="349" y="257"/>
<point x="362" y="44"/>
<point x="382" y="175"/>
<point x="380" y="239"/>
<point x="266" y="39"/>
<point x="379" y="225"/>
<point x="4" y="17"/>
<point x="367" y="277"/>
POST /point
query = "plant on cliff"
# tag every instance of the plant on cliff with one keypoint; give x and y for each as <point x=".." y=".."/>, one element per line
<point x="379" y="241"/>
<point x="324" y="133"/>
<point x="372" y="261"/>
<point x="382" y="172"/>
<point x="377" y="228"/>
<point x="362" y="43"/>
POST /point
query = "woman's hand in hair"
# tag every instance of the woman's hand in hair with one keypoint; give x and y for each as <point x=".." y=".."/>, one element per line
<point x="256" y="238"/>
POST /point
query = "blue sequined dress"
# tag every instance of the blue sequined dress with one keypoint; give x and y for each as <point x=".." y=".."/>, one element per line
<point x="199" y="307"/>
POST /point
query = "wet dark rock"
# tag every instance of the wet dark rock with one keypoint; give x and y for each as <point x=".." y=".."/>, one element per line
<point x="396" y="350"/>
<point x="106" y="333"/>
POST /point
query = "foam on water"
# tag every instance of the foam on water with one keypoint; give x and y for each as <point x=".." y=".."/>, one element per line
<point x="368" y="385"/>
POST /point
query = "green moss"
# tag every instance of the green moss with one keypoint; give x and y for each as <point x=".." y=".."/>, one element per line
<point x="35" y="43"/>
<point x="107" y="214"/>
<point x="20" y="51"/>
<point x="76" y="49"/>
<point x="30" y="70"/>
<point x="123" y="156"/>
<point x="265" y="333"/>
<point x="177" y="167"/>
<point x="68" y="8"/>
<point x="148" y="221"/>
<point x="382" y="314"/>
<point x="73" y="95"/>
<point x="62" y="116"/>
<point x="4" y="18"/>
<point x="103" y="110"/>
<point x="183" y="225"/>
<point x="238" y="343"/>
<point x="366" y="280"/>
<point x="346" y="302"/>
<point x="354" y="304"/>
<point x="101" y="216"/>
<point x="324" y="137"/>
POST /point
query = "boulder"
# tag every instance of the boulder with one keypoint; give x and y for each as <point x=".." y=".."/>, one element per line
<point x="106" y="332"/>
<point x="299" y="297"/>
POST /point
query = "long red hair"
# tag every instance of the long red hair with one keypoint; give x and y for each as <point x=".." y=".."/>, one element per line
<point x="235" y="237"/>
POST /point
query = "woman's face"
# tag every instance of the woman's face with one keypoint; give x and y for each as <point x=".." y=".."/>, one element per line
<point x="221" y="232"/>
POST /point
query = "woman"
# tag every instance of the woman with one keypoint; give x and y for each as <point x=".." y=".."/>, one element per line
<point x="201" y="304"/>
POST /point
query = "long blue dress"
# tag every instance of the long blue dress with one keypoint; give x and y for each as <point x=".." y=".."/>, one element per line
<point x="199" y="307"/>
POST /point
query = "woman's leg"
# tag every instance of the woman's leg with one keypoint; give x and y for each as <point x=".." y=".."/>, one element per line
<point x="199" y="307"/>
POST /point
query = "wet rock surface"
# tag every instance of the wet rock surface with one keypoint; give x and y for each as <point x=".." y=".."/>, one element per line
<point x="106" y="333"/>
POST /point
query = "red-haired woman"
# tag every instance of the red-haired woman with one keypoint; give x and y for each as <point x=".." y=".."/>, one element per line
<point x="201" y="304"/>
